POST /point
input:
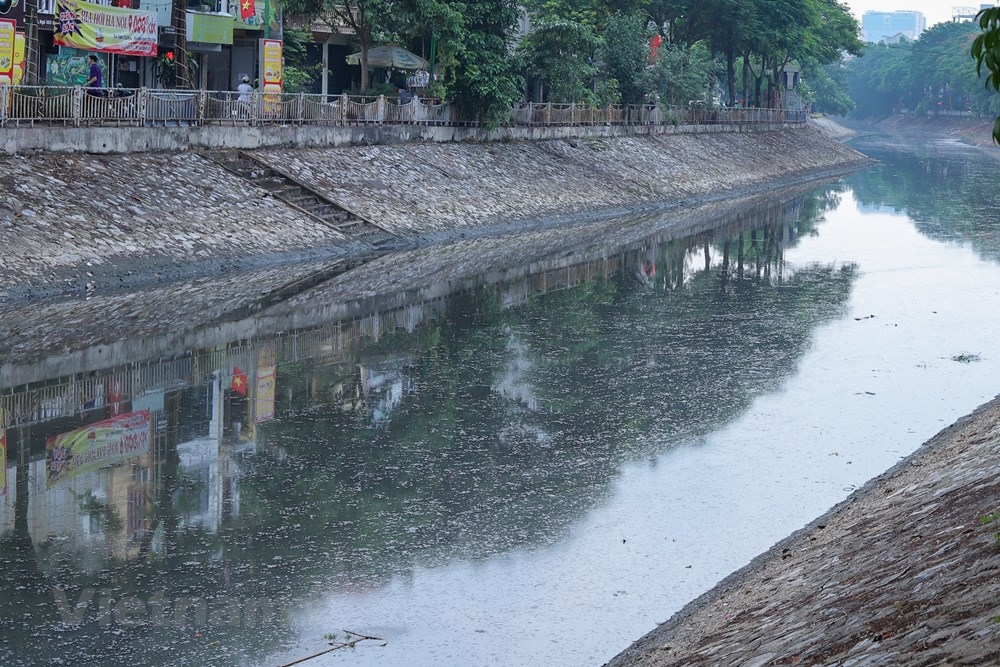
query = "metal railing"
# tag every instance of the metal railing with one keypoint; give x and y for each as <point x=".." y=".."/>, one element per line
<point x="143" y="107"/>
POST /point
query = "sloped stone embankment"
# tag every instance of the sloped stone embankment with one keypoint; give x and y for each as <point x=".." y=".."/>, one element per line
<point x="69" y="221"/>
<point x="902" y="573"/>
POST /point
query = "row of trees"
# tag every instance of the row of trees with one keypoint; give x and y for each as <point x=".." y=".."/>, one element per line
<point x="933" y="73"/>
<point x="599" y="51"/>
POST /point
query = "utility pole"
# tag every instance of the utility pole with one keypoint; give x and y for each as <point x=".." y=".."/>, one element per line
<point x="32" y="60"/>
<point x="178" y="26"/>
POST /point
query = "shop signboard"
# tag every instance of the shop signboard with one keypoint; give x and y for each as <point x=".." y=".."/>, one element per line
<point x="271" y="74"/>
<point x="264" y="408"/>
<point x="18" y="71"/>
<point x="249" y="15"/>
<point x="70" y="68"/>
<point x="7" y="32"/>
<point x="209" y="28"/>
<point x="13" y="10"/>
<point x="45" y="14"/>
<point x="85" y="25"/>
<point x="96" y="446"/>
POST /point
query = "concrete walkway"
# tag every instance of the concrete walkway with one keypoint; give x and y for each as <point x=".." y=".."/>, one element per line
<point x="902" y="573"/>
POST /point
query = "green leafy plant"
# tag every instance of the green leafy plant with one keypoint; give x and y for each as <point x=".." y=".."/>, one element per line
<point x="987" y="519"/>
<point x="986" y="51"/>
<point x="166" y="70"/>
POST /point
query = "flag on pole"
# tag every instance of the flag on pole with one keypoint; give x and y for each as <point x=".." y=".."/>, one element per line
<point x="239" y="384"/>
<point x="247" y="9"/>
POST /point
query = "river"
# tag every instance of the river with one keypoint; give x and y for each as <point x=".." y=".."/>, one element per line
<point x="519" y="469"/>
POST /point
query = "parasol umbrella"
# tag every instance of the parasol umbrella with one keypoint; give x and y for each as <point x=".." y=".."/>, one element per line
<point x="388" y="56"/>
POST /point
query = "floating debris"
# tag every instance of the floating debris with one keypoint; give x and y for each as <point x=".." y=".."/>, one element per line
<point x="966" y="358"/>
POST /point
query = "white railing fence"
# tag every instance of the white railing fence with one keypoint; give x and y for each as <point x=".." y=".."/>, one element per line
<point x="142" y="107"/>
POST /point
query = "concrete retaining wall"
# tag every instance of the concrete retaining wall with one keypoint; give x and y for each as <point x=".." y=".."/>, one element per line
<point x="15" y="140"/>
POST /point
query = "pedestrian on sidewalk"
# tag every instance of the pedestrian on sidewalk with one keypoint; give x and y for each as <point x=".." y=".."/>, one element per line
<point x="95" y="79"/>
<point x="245" y="91"/>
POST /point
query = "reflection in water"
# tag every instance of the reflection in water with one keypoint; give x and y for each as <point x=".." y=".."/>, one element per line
<point x="209" y="493"/>
<point x="948" y="190"/>
<point x="204" y="506"/>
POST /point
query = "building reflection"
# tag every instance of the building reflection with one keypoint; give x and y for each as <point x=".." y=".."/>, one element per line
<point x="199" y="412"/>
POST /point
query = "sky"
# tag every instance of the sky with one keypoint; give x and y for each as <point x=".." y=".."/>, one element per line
<point x="936" y="11"/>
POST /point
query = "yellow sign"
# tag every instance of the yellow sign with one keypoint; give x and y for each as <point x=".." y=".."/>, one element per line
<point x="18" y="72"/>
<point x="84" y="25"/>
<point x="7" y="32"/>
<point x="271" y="74"/>
<point x="272" y="62"/>
<point x="96" y="446"/>
<point x="264" y="408"/>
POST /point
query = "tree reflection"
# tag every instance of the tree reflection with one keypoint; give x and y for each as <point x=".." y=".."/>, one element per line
<point x="947" y="192"/>
<point x="496" y="423"/>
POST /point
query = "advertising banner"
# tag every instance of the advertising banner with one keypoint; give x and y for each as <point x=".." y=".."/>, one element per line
<point x="249" y="15"/>
<point x="7" y="32"/>
<point x="264" y="408"/>
<point x="209" y="28"/>
<point x="70" y="70"/>
<point x="84" y="25"/>
<point x="271" y="74"/>
<point x="101" y="444"/>
<point x="45" y="14"/>
<point x="19" y="50"/>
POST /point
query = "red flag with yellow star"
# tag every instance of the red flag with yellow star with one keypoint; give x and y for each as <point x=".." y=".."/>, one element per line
<point x="247" y="9"/>
<point x="239" y="384"/>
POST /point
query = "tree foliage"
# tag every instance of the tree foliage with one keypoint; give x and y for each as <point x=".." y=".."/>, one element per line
<point x="929" y="75"/>
<point x="986" y="51"/>
<point x="683" y="74"/>
<point x="625" y="54"/>
<point x="485" y="82"/>
<point x="560" y="54"/>
<point x="597" y="50"/>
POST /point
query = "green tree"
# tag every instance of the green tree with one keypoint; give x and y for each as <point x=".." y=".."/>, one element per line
<point x="924" y="76"/>
<point x="625" y="55"/>
<point x="683" y="74"/>
<point x="878" y="81"/>
<point x="561" y="54"/>
<point x="364" y="17"/>
<point x="825" y="88"/>
<point x="299" y="72"/>
<point x="426" y="24"/>
<point x="577" y="11"/>
<point x="485" y="83"/>
<point x="986" y="51"/>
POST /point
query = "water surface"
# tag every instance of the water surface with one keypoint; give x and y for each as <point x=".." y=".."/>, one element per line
<point x="528" y="471"/>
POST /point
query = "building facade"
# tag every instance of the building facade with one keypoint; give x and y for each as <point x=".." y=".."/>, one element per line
<point x="880" y="26"/>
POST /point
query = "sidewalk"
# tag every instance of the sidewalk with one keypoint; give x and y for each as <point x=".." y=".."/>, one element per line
<point x="903" y="572"/>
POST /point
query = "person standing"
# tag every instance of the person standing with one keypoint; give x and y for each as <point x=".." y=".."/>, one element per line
<point x="95" y="80"/>
<point x="245" y="91"/>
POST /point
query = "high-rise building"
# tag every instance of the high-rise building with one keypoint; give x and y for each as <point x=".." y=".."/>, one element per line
<point x="966" y="14"/>
<point x="883" y="26"/>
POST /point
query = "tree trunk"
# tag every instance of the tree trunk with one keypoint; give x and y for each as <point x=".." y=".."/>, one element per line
<point x="364" y="65"/>
<point x="179" y="23"/>
<point x="731" y="74"/>
<point x="746" y="78"/>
